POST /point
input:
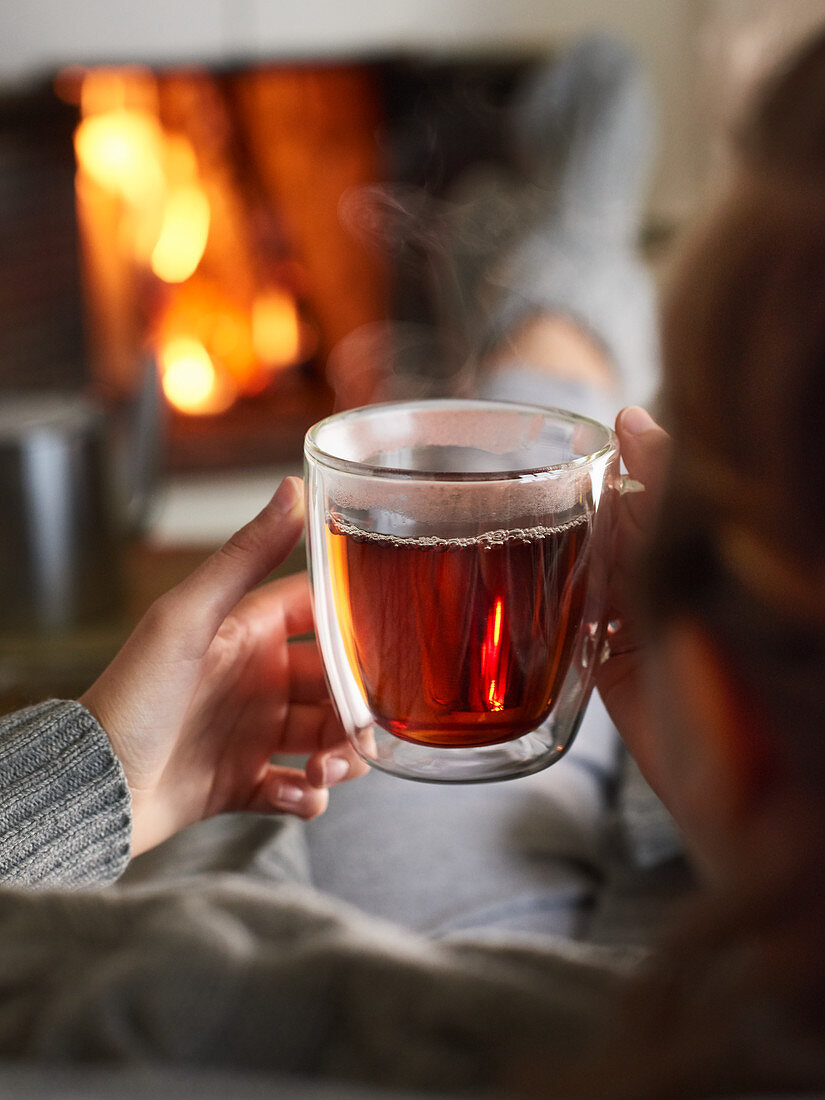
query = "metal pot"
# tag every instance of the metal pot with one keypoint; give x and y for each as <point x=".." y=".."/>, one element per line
<point x="65" y="514"/>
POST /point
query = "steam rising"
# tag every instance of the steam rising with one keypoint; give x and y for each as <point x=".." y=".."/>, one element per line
<point x="429" y="354"/>
<point x="443" y="251"/>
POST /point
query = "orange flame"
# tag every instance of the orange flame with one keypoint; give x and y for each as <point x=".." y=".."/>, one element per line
<point x="493" y="660"/>
<point x="121" y="151"/>
<point x="276" y="330"/>
<point x="190" y="380"/>
<point x="183" y="235"/>
<point x="147" y="205"/>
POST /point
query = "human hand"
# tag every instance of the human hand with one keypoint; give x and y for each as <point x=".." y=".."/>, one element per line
<point x="208" y="687"/>
<point x="645" y="449"/>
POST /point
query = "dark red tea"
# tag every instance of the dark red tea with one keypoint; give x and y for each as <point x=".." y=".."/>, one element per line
<point x="460" y="642"/>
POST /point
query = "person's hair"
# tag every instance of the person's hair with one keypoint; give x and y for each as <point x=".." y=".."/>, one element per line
<point x="740" y="543"/>
<point x="734" y="999"/>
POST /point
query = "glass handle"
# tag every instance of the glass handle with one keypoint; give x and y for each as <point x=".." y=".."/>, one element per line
<point x="625" y="484"/>
<point x="616" y="642"/>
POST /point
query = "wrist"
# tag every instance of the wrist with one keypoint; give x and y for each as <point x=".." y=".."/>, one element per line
<point x="152" y="822"/>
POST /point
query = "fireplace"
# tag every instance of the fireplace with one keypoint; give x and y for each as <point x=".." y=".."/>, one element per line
<point x="255" y="238"/>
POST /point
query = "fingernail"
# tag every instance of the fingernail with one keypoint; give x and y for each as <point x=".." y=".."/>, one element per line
<point x="287" y="495"/>
<point x="289" y="794"/>
<point x="636" y="420"/>
<point x="334" y="770"/>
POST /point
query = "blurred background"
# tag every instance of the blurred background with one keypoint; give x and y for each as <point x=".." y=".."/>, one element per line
<point x="219" y="222"/>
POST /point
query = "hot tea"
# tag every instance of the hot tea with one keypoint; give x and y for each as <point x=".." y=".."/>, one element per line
<point x="459" y="642"/>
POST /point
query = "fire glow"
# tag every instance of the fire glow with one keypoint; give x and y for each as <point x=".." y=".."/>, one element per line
<point x="492" y="672"/>
<point x="190" y="380"/>
<point x="156" y="221"/>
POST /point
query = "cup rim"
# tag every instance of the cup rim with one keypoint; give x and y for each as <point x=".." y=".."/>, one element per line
<point x="365" y="469"/>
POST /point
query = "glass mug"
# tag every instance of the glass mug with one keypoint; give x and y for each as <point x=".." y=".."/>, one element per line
<point x="458" y="552"/>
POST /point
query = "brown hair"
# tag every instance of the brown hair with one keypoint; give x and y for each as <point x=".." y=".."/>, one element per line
<point x="740" y="541"/>
<point x="734" y="1001"/>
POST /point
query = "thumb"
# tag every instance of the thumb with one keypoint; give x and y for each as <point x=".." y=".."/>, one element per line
<point x="645" y="451"/>
<point x="645" y="446"/>
<point x="209" y="593"/>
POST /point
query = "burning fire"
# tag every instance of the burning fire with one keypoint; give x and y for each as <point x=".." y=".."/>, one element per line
<point x="190" y="380"/>
<point x="183" y="235"/>
<point x="276" y="328"/>
<point x="121" y="151"/>
<point x="153" y="215"/>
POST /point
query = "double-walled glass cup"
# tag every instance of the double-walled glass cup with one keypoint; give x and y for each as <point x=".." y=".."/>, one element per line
<point x="457" y="551"/>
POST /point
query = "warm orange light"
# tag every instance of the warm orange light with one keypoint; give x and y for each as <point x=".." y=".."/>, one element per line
<point x="276" y="328"/>
<point x="493" y="700"/>
<point x="497" y="623"/>
<point x="155" y="198"/>
<point x="191" y="382"/>
<point x="179" y="160"/>
<point x="229" y="337"/>
<point x="121" y="151"/>
<point x="107" y="89"/>
<point x="183" y="234"/>
<point x="492" y="668"/>
<point x="68" y="84"/>
<point x="201" y="309"/>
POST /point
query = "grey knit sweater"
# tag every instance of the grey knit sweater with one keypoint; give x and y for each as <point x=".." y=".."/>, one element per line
<point x="64" y="801"/>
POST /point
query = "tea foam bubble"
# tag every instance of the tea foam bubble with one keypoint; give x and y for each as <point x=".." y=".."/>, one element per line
<point x="485" y="541"/>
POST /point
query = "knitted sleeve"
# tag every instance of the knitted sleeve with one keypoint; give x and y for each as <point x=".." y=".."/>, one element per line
<point x="64" y="801"/>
